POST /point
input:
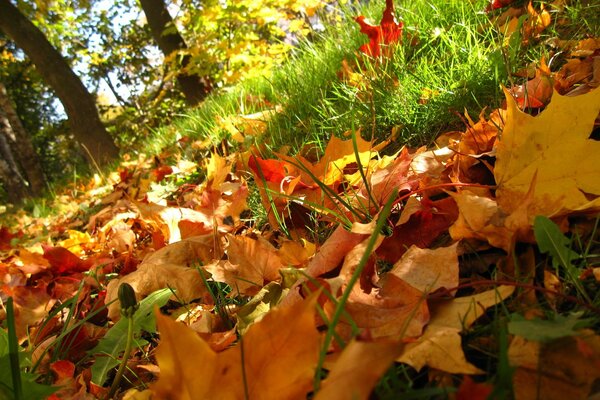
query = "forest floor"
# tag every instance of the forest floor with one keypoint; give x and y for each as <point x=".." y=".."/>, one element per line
<point x="347" y="231"/>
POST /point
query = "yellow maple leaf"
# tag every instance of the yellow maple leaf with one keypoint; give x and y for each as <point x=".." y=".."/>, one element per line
<point x="555" y="145"/>
<point x="276" y="359"/>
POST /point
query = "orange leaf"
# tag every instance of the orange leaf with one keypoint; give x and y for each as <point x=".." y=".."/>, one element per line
<point x="275" y="359"/>
<point x="63" y="261"/>
<point x="358" y="369"/>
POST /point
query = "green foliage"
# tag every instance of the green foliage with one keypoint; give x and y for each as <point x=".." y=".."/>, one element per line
<point x="14" y="363"/>
<point x="559" y="247"/>
<point x="545" y="330"/>
<point x="113" y="343"/>
<point x="231" y="39"/>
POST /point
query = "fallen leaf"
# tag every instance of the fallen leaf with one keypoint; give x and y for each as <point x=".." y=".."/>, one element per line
<point x="563" y="369"/>
<point x="62" y="261"/>
<point x="440" y="345"/>
<point x="251" y="263"/>
<point x="556" y="146"/>
<point x="171" y="267"/>
<point x="428" y="269"/>
<point x="357" y="370"/>
<point x="471" y="390"/>
<point x="275" y="359"/>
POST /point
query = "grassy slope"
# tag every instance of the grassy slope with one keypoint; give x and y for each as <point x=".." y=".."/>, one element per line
<point x="450" y="50"/>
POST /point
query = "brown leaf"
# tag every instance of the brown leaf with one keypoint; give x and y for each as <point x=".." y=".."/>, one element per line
<point x="563" y="369"/>
<point x="251" y="264"/>
<point x="168" y="267"/>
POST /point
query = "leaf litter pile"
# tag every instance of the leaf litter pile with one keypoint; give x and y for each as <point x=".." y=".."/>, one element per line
<point x="465" y="270"/>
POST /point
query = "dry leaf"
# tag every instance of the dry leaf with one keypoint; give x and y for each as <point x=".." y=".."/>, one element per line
<point x="168" y="267"/>
<point x="440" y="345"/>
<point x="563" y="369"/>
<point x="251" y="264"/>
<point x="278" y="356"/>
<point x="358" y="369"/>
<point x="429" y="270"/>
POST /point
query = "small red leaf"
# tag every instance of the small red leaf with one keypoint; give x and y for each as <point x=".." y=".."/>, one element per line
<point x="6" y="237"/>
<point x="388" y="32"/>
<point x="161" y="172"/>
<point x="272" y="170"/>
<point x="63" y="261"/>
<point x="471" y="390"/>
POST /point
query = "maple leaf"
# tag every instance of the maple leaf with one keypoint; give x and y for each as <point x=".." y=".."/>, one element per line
<point x="388" y="32"/>
<point x="426" y="222"/>
<point x="481" y="218"/>
<point x="251" y="263"/>
<point x="277" y="360"/>
<point x="536" y="92"/>
<point x="391" y="308"/>
<point x="555" y="145"/>
<point x="440" y="345"/>
<point x="168" y="267"/>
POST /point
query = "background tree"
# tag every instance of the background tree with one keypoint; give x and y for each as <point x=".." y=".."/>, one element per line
<point x="79" y="104"/>
<point x="19" y="140"/>
<point x="10" y="176"/>
<point x="170" y="42"/>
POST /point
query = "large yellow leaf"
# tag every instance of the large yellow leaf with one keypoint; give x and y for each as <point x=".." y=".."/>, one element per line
<point x="555" y="145"/>
<point x="275" y="359"/>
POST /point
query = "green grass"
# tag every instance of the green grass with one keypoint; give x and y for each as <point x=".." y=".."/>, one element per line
<point x="445" y="51"/>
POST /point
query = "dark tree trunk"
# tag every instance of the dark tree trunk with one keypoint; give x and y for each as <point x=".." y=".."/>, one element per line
<point x="79" y="104"/>
<point x="20" y="142"/>
<point x="194" y="87"/>
<point x="9" y="172"/>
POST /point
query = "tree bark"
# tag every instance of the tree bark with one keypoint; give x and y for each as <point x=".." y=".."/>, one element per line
<point x="20" y="142"/>
<point x="194" y="87"/>
<point x="79" y="104"/>
<point x="9" y="173"/>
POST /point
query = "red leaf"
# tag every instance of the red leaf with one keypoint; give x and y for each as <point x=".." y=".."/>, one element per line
<point x="422" y="228"/>
<point x="161" y="172"/>
<point x="6" y="237"/>
<point x="272" y="170"/>
<point x="496" y="4"/>
<point x="63" y="369"/>
<point x="63" y="261"/>
<point x="388" y="32"/>
<point x="470" y="390"/>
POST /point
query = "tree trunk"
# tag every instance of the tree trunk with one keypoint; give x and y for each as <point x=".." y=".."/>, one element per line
<point x="79" y="104"/>
<point x="20" y="142"/>
<point x="194" y="87"/>
<point x="9" y="173"/>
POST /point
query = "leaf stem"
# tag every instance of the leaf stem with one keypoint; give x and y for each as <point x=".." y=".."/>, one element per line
<point x="126" y="354"/>
<point x="339" y="309"/>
